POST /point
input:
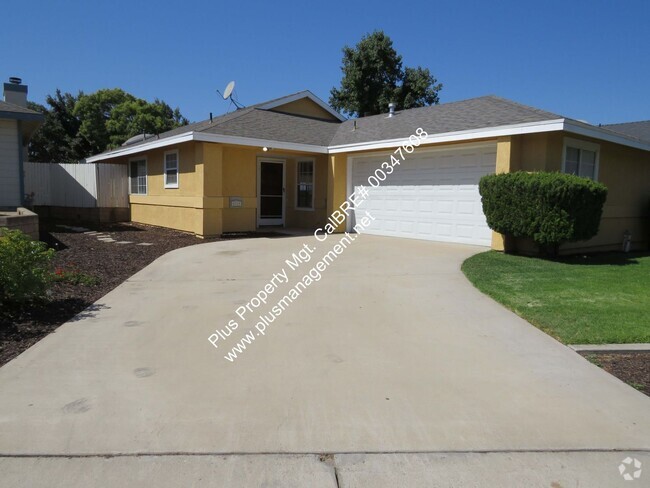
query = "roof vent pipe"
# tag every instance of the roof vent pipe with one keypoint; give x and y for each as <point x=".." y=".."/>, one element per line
<point x="391" y="109"/>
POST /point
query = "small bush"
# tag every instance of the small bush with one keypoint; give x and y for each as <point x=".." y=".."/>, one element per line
<point x="550" y="208"/>
<point x="24" y="267"/>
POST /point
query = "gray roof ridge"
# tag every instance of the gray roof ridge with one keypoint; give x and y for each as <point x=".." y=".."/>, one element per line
<point x="465" y="100"/>
<point x="280" y="98"/>
<point x="626" y="123"/>
<point x="347" y="123"/>
<point x="223" y="118"/>
<point x="606" y="128"/>
<point x="446" y="104"/>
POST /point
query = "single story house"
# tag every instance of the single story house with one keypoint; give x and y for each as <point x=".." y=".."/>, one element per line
<point x="17" y="124"/>
<point x="292" y="161"/>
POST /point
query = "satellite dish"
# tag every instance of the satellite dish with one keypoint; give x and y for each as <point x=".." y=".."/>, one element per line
<point x="228" y="91"/>
<point x="228" y="95"/>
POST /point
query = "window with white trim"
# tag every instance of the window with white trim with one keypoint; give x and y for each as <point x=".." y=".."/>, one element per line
<point x="581" y="158"/>
<point x="305" y="183"/>
<point x="171" y="169"/>
<point x="138" y="176"/>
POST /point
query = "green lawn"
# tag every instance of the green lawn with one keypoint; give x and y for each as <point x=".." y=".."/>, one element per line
<point x="580" y="300"/>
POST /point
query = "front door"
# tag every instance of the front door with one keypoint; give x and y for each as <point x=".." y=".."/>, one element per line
<point x="271" y="192"/>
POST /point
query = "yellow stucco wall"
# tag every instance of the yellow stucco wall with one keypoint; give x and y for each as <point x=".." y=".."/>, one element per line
<point x="537" y="152"/>
<point x="212" y="173"/>
<point x="337" y="184"/>
<point x="181" y="218"/>
<point x="624" y="170"/>
<point x="505" y="149"/>
<point x="310" y="219"/>
<point x="626" y="173"/>
<point x="239" y="179"/>
<point x="176" y="208"/>
<point x="305" y="107"/>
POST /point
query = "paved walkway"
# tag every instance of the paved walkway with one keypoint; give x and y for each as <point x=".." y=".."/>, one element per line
<point x="101" y="236"/>
<point x="392" y="361"/>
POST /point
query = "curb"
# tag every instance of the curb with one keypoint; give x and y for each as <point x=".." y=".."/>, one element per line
<point x="610" y="347"/>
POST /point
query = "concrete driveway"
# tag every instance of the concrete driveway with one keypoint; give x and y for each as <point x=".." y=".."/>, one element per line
<point x="392" y="363"/>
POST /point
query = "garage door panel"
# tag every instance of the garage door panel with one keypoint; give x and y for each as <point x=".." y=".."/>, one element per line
<point x="430" y="196"/>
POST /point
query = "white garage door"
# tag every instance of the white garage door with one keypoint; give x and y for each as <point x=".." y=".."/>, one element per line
<point x="431" y="195"/>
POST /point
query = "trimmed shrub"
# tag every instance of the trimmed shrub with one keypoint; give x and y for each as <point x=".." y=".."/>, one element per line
<point x="550" y="208"/>
<point x="24" y="267"/>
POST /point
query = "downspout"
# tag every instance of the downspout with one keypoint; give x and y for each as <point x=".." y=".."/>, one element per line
<point x="21" y="165"/>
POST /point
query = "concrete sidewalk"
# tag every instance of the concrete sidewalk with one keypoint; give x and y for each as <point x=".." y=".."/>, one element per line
<point x="392" y="352"/>
<point x="448" y="470"/>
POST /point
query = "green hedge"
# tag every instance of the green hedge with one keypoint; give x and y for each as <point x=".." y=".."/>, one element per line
<point x="24" y="267"/>
<point x="550" y="208"/>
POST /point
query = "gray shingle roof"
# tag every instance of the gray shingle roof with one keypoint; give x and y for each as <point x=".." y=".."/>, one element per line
<point x="476" y="113"/>
<point x="277" y="126"/>
<point x="10" y="108"/>
<point x="639" y="130"/>
<point x="261" y="124"/>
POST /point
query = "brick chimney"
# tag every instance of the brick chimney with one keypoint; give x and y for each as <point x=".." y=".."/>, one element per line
<point x="15" y="92"/>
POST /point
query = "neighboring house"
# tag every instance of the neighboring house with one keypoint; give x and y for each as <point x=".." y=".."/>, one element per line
<point x="17" y="124"/>
<point x="292" y="161"/>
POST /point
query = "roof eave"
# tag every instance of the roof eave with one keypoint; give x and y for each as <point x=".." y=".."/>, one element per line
<point x="571" y="126"/>
<point x="249" y="141"/>
<point x="580" y="128"/>
<point x="35" y="117"/>
<point x="203" y="137"/>
<point x="463" y="135"/>
<point x="147" y="146"/>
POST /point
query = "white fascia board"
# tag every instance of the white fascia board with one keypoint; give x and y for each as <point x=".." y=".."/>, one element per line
<point x="203" y="137"/>
<point x="491" y="132"/>
<point x="147" y="146"/>
<point x="248" y="141"/>
<point x="604" y="135"/>
<point x="298" y="96"/>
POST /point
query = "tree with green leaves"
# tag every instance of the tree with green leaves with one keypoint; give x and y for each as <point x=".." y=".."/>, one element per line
<point x="373" y="77"/>
<point x="76" y="127"/>
<point x="58" y="137"/>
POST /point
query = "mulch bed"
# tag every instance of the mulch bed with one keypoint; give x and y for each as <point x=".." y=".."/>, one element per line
<point x="631" y="367"/>
<point x="107" y="264"/>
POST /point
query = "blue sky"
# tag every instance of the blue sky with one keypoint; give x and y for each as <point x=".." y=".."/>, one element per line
<point x="588" y="60"/>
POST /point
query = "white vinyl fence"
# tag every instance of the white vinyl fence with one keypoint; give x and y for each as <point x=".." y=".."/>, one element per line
<point x="78" y="185"/>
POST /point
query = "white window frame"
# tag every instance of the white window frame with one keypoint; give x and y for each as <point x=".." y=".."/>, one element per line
<point x="580" y="144"/>
<point x="178" y="171"/>
<point x="146" y="174"/>
<point x="313" y="182"/>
